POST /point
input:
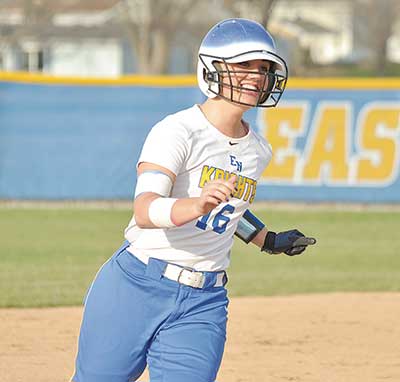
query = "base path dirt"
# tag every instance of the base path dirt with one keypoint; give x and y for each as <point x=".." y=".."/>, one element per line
<point x="321" y="338"/>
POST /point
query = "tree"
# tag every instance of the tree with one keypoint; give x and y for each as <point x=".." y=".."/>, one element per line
<point x="259" y="10"/>
<point x="151" y="25"/>
<point x="34" y="16"/>
<point x="373" y="25"/>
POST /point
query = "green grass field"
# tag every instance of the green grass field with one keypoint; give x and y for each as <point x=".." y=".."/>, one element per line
<point x="48" y="256"/>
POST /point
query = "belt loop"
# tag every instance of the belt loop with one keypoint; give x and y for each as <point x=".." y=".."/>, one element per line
<point x="155" y="268"/>
<point x="122" y="248"/>
<point x="225" y="279"/>
<point x="221" y="279"/>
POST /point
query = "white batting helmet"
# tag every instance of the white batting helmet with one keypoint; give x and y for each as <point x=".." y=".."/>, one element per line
<point x="234" y="41"/>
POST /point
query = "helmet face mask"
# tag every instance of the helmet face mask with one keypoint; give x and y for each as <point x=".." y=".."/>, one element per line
<point x="221" y="76"/>
<point x="230" y="42"/>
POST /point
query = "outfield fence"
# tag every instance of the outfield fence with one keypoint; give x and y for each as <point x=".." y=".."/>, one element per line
<point x="69" y="138"/>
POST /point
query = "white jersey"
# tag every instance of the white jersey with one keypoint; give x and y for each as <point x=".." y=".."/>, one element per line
<point x="197" y="152"/>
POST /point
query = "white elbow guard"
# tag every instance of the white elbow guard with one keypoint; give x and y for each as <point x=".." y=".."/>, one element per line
<point x="160" y="212"/>
<point x="153" y="181"/>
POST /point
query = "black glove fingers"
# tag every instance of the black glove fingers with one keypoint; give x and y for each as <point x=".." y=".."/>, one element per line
<point x="294" y="234"/>
<point x="296" y="250"/>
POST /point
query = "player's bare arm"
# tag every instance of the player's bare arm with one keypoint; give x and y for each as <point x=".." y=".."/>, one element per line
<point x="292" y="242"/>
<point x="260" y="238"/>
<point x="183" y="210"/>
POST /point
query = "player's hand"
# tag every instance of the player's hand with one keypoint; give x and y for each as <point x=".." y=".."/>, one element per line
<point x="214" y="193"/>
<point x="291" y="242"/>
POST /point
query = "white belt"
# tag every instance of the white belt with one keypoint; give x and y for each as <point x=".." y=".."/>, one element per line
<point x="190" y="277"/>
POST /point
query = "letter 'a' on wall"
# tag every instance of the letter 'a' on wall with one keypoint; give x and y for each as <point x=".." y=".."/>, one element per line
<point x="327" y="153"/>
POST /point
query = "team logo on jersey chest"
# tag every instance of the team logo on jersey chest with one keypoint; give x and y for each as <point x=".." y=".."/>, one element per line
<point x="246" y="187"/>
<point x="236" y="163"/>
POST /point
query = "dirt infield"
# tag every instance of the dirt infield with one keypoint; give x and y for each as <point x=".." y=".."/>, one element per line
<point x="321" y="338"/>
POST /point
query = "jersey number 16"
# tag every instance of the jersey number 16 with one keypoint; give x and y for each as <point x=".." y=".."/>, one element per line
<point x="219" y="222"/>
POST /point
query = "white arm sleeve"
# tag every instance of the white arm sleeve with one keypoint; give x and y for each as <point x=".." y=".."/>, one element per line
<point x="153" y="181"/>
<point x="166" y="145"/>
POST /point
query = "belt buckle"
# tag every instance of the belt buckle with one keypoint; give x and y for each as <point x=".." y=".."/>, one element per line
<point x="193" y="278"/>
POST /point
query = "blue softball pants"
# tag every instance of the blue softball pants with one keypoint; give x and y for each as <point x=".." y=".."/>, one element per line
<point x="134" y="317"/>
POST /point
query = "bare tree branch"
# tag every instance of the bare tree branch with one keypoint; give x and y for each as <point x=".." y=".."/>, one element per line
<point x="373" y="25"/>
<point x="152" y="34"/>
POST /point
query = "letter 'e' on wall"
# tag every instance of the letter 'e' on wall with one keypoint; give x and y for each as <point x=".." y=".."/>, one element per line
<point x="282" y="127"/>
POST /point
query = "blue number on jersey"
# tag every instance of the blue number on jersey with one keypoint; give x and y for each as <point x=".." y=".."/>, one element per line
<point x="219" y="217"/>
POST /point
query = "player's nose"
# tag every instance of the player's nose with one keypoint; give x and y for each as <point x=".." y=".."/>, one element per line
<point x="256" y="74"/>
<point x="256" y="78"/>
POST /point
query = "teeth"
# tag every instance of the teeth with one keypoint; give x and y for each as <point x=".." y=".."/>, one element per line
<point x="247" y="86"/>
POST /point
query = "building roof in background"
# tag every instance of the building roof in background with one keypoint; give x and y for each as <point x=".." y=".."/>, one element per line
<point x="63" y="6"/>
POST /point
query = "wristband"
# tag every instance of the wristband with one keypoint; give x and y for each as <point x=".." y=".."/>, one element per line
<point x="160" y="212"/>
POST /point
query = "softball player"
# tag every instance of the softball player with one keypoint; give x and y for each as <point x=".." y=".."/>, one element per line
<point x="161" y="299"/>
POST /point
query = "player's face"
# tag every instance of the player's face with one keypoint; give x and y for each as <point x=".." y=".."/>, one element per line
<point x="249" y="81"/>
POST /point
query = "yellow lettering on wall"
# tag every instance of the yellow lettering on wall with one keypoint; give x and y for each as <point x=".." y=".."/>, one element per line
<point x="378" y="138"/>
<point x="328" y="145"/>
<point x="282" y="124"/>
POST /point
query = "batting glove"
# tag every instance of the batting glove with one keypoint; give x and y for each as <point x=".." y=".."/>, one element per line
<point x="291" y="242"/>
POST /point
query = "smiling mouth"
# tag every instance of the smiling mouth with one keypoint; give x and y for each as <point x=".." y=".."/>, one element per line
<point x="250" y="91"/>
<point x="250" y="88"/>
